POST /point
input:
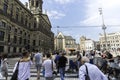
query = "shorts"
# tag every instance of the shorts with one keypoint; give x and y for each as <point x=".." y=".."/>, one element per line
<point x="38" y="67"/>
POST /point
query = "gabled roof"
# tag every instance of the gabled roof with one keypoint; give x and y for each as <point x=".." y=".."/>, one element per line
<point x="68" y="37"/>
<point x="60" y="35"/>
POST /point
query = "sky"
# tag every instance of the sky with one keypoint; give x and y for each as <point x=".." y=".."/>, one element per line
<point x="78" y="18"/>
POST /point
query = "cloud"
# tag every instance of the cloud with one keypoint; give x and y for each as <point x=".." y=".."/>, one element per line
<point x="23" y="1"/>
<point x="64" y="1"/>
<point x="55" y="14"/>
<point x="110" y="11"/>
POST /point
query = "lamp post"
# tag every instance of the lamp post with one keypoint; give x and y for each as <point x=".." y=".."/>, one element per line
<point x="58" y="29"/>
<point x="103" y="27"/>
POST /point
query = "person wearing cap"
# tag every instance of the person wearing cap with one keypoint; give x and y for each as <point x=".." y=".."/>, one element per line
<point x="93" y="71"/>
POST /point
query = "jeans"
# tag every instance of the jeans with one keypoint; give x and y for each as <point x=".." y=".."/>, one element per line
<point x="62" y="73"/>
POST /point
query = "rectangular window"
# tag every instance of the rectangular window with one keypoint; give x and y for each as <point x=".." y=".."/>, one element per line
<point x="29" y="25"/>
<point x="5" y="7"/>
<point x="24" y="41"/>
<point x="20" y="50"/>
<point x="8" y="37"/>
<point x="34" y="42"/>
<point x="15" y="39"/>
<point x="22" y="19"/>
<point x="20" y="40"/>
<point x="28" y="41"/>
<point x="1" y="48"/>
<point x="2" y="35"/>
<point x="17" y="17"/>
<point x="3" y="24"/>
<point x="17" y="13"/>
<point x="34" y="25"/>
<point x="8" y="49"/>
<point x="14" y="49"/>
<point x="11" y="10"/>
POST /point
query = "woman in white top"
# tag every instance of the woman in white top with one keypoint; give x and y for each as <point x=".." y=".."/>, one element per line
<point x="24" y="67"/>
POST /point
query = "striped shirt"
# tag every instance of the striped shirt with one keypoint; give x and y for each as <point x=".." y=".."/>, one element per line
<point x="24" y="70"/>
<point x="93" y="72"/>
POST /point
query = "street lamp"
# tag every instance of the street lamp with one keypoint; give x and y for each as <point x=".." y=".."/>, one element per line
<point x="103" y="27"/>
<point x="58" y="29"/>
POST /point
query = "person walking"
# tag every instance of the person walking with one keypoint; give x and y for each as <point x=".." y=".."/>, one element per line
<point x="4" y="66"/>
<point x="48" y="65"/>
<point x="62" y="64"/>
<point x="93" y="71"/>
<point x="56" y="61"/>
<point x="24" y="67"/>
<point x="38" y="62"/>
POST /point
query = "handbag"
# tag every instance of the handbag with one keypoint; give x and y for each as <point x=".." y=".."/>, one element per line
<point x="86" y="75"/>
<point x="15" y="73"/>
<point x="54" y="72"/>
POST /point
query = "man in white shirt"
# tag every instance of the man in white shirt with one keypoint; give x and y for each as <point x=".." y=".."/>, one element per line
<point x="48" y="65"/>
<point x="93" y="71"/>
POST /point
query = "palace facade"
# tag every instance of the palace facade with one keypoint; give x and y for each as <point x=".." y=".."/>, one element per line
<point x="24" y="27"/>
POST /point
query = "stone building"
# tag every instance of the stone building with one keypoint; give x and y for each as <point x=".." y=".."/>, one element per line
<point x="113" y="41"/>
<point x="24" y="27"/>
<point x="65" y="43"/>
<point x="82" y="43"/>
<point x="87" y="44"/>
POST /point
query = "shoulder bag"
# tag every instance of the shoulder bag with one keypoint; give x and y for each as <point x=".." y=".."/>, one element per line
<point x="87" y="76"/>
<point x="15" y="73"/>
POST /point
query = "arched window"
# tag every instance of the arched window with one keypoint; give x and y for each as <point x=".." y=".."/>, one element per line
<point x="37" y="4"/>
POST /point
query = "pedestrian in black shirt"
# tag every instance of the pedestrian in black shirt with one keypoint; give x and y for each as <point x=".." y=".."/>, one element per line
<point x="62" y="64"/>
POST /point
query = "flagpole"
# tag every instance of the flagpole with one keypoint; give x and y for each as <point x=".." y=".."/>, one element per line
<point x="103" y="28"/>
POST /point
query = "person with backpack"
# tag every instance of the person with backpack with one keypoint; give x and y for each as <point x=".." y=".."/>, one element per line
<point x="89" y="71"/>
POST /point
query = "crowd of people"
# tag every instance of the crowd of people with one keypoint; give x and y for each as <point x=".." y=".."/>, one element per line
<point x="90" y="65"/>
